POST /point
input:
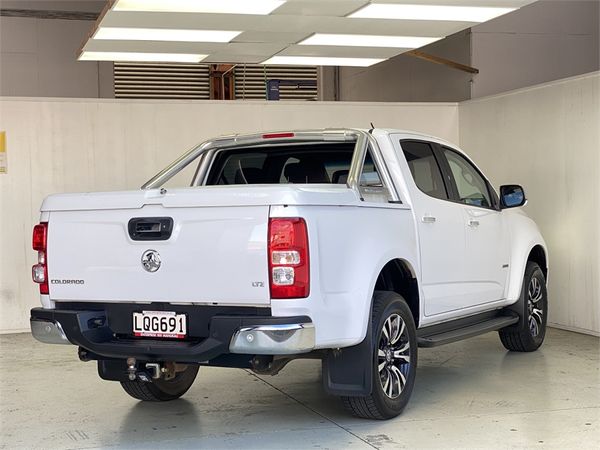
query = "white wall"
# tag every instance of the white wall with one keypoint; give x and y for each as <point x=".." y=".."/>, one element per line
<point x="90" y="145"/>
<point x="547" y="138"/>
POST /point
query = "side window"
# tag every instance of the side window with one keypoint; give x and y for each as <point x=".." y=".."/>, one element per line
<point x="472" y="188"/>
<point x="424" y="168"/>
<point x="369" y="175"/>
<point x="371" y="186"/>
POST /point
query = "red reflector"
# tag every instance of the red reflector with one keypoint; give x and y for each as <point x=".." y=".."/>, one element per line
<point x="39" y="237"/>
<point x="277" y="135"/>
<point x="44" y="287"/>
<point x="288" y="278"/>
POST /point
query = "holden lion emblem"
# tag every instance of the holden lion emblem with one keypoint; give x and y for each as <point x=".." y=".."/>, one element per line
<point x="151" y="260"/>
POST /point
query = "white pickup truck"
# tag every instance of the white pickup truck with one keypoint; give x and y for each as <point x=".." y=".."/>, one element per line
<point x="354" y="247"/>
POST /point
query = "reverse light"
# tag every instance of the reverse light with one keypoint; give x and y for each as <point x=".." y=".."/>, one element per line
<point x="283" y="276"/>
<point x="289" y="265"/>
<point x="286" y="257"/>
<point x="39" y="272"/>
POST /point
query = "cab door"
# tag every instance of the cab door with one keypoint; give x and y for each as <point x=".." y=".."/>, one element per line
<point x="486" y="237"/>
<point x="441" y="230"/>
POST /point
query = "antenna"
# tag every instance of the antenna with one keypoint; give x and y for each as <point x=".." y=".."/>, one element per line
<point x="371" y="130"/>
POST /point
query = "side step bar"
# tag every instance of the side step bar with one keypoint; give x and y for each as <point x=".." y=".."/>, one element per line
<point x="446" y="333"/>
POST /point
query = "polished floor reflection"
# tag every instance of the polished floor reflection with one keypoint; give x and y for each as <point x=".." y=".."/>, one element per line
<point x="471" y="394"/>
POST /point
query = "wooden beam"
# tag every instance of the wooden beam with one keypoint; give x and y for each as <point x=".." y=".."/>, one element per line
<point x="442" y="61"/>
<point x="48" y="14"/>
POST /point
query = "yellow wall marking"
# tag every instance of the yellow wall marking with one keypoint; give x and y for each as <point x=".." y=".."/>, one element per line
<point x="3" y="156"/>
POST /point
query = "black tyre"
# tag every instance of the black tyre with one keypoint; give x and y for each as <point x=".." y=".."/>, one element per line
<point x="162" y="390"/>
<point x="394" y="359"/>
<point x="528" y="335"/>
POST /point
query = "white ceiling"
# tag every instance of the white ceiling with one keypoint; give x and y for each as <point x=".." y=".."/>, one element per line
<point x="278" y="33"/>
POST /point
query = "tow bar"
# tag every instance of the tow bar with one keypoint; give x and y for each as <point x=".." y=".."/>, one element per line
<point x="154" y="371"/>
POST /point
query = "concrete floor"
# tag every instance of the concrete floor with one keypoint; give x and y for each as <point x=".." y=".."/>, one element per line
<point x="471" y="394"/>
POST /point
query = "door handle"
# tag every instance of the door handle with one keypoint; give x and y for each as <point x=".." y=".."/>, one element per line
<point x="473" y="223"/>
<point x="428" y="219"/>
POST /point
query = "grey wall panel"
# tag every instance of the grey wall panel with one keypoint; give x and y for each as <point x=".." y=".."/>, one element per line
<point x="406" y="78"/>
<point x="38" y="58"/>
<point x="545" y="41"/>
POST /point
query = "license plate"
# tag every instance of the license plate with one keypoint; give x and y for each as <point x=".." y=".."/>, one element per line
<point x="159" y="324"/>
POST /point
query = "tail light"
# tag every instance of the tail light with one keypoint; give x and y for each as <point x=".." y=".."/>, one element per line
<point x="39" y="272"/>
<point x="288" y="258"/>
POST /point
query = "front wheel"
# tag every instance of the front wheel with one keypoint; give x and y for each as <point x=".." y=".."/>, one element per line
<point x="529" y="333"/>
<point x="394" y="359"/>
<point x="162" y="390"/>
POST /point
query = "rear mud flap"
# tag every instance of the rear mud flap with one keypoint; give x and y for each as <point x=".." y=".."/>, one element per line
<point x="349" y="371"/>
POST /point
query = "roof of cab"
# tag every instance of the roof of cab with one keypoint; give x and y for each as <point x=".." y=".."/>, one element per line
<point x="290" y="133"/>
<point x="414" y="134"/>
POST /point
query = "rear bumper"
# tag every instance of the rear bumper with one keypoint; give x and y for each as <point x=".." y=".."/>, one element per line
<point x="48" y="332"/>
<point x="253" y="335"/>
<point x="274" y="339"/>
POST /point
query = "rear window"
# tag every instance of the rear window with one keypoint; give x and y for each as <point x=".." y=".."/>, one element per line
<point x="315" y="163"/>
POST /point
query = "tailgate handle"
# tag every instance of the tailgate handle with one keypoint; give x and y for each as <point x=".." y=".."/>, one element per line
<point x="150" y="228"/>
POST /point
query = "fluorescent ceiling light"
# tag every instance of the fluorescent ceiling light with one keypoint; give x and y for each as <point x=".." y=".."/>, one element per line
<point x="430" y="12"/>
<point x="133" y="56"/>
<point x="159" y="34"/>
<point x="364" y="40"/>
<point x="321" y="61"/>
<point x="262" y="7"/>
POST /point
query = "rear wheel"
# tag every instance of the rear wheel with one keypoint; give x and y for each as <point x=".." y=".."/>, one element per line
<point x="529" y="333"/>
<point x="162" y="390"/>
<point x="394" y="359"/>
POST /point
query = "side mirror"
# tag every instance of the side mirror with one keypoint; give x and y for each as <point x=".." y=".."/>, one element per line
<point x="512" y="196"/>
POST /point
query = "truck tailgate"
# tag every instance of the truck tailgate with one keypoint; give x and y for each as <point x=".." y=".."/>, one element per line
<point x="214" y="255"/>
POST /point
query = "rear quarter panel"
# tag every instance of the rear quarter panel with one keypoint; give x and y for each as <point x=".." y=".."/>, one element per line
<point x="349" y="245"/>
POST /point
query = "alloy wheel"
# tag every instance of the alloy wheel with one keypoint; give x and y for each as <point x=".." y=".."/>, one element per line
<point x="536" y="313"/>
<point x="393" y="356"/>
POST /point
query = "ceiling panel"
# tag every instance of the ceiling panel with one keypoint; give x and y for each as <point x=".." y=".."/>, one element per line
<point x="105" y="45"/>
<point x="284" y="24"/>
<point x="488" y="3"/>
<point x="340" y="52"/>
<point x="283" y="37"/>
<point x="320" y="8"/>
<point x="264" y="36"/>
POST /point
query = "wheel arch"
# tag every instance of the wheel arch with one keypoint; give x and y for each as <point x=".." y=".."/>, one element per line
<point x="536" y="252"/>
<point x="347" y="371"/>
<point x="398" y="275"/>
<point x="538" y="255"/>
<point x="526" y="244"/>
